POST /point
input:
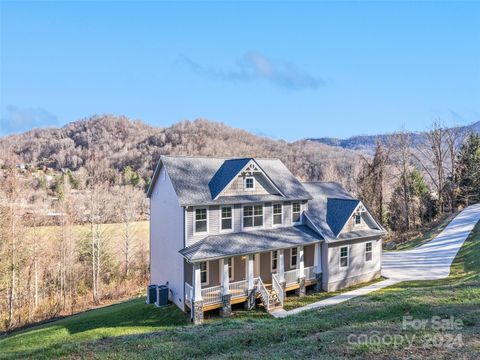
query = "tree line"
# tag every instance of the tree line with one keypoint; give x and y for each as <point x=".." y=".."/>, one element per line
<point x="408" y="186"/>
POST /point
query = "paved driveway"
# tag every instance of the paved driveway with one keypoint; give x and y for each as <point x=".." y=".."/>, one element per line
<point x="433" y="259"/>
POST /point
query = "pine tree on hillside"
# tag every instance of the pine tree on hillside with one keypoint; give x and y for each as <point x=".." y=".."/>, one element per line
<point x="468" y="170"/>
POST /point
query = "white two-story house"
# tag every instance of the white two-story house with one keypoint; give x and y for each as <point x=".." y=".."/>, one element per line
<point x="226" y="231"/>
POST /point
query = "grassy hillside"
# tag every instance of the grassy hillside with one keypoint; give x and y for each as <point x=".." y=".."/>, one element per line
<point x="115" y="332"/>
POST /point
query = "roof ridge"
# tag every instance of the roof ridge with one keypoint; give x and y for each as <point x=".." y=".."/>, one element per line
<point x="220" y="157"/>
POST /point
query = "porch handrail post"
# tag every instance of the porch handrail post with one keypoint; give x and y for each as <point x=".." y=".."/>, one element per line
<point x="281" y="266"/>
<point x="250" y="263"/>
<point x="225" y="279"/>
<point x="301" y="264"/>
<point x="197" y="283"/>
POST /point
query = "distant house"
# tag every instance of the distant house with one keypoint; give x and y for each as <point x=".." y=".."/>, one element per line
<point x="227" y="231"/>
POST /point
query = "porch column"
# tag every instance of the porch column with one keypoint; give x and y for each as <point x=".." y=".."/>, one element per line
<point x="226" y="309"/>
<point x="224" y="278"/>
<point x="197" y="307"/>
<point x="317" y="263"/>
<point x="301" y="264"/>
<point x="281" y="266"/>
<point x="301" y="272"/>
<point x="250" y="303"/>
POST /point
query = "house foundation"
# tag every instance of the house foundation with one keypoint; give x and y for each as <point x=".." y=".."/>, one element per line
<point x="226" y="309"/>
<point x="197" y="312"/>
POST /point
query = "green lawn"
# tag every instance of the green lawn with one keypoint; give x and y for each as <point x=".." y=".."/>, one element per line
<point x="135" y="331"/>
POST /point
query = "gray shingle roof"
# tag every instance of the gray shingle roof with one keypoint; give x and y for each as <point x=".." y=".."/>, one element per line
<point x="242" y="243"/>
<point x="191" y="178"/>
<point x="330" y="210"/>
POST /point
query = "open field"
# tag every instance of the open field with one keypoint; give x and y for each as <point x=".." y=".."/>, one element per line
<point x="134" y="330"/>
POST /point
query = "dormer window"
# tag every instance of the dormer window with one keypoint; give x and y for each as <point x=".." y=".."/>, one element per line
<point x="249" y="183"/>
<point x="358" y="219"/>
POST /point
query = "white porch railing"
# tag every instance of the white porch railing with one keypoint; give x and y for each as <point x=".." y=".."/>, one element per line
<point x="212" y="295"/>
<point x="291" y="277"/>
<point x="310" y="272"/>
<point x="263" y="294"/>
<point x="278" y="288"/>
<point x="188" y="295"/>
<point x="238" y="288"/>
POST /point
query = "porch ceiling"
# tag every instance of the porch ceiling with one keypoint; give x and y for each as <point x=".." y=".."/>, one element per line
<point x="248" y="242"/>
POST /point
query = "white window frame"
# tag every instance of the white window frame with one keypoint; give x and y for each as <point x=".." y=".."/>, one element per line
<point x="263" y="217"/>
<point x="207" y="271"/>
<point x="221" y="218"/>
<point x="300" y="213"/>
<point x="195" y="232"/>
<point x="231" y="267"/>
<point x="281" y="215"/>
<point x="355" y="220"/>
<point x="245" y="183"/>
<point x="340" y="257"/>
<point x="291" y="257"/>
<point x="371" y="251"/>
<point x="271" y="261"/>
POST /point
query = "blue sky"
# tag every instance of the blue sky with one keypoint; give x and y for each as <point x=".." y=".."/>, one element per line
<point x="285" y="70"/>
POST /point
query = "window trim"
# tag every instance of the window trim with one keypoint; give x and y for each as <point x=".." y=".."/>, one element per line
<point x="371" y="251"/>
<point x="355" y="220"/>
<point x="271" y="261"/>
<point x="232" y="218"/>
<point x="245" y="183"/>
<point x="340" y="256"/>
<point x="195" y="232"/>
<point x="299" y="213"/>
<point x="207" y="271"/>
<point x="281" y="215"/>
<point x="243" y="217"/>
<point x="291" y="256"/>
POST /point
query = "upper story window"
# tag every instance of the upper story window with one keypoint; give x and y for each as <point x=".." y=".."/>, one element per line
<point x="274" y="257"/>
<point x="230" y="268"/>
<point x="368" y="251"/>
<point x="201" y="220"/>
<point x="204" y="272"/>
<point x="293" y="257"/>
<point x="249" y="183"/>
<point x="227" y="218"/>
<point x="358" y="219"/>
<point x="277" y="214"/>
<point x="252" y="216"/>
<point x="295" y="212"/>
<point x="344" y="256"/>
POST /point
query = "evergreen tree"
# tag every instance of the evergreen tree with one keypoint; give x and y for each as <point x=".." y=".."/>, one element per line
<point x="468" y="170"/>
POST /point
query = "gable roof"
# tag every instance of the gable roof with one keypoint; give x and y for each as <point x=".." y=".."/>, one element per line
<point x="331" y="208"/>
<point x="338" y="213"/>
<point x="192" y="176"/>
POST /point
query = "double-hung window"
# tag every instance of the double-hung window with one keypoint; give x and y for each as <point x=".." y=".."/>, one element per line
<point x="249" y="183"/>
<point x="344" y="256"/>
<point x="274" y="257"/>
<point x="201" y="220"/>
<point x="293" y="257"/>
<point x="296" y="212"/>
<point x="204" y="272"/>
<point x="227" y="220"/>
<point x="368" y="251"/>
<point x="277" y="214"/>
<point x="358" y="219"/>
<point x="252" y="216"/>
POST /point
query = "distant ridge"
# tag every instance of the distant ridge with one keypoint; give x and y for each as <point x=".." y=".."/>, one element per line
<point x="367" y="143"/>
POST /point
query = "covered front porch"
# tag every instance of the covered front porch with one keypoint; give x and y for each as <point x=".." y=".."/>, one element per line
<point x="268" y="275"/>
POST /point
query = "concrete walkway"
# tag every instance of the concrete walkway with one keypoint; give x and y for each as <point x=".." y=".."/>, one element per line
<point x="427" y="262"/>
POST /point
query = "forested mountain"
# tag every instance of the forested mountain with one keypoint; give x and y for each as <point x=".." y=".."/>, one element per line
<point x="121" y="142"/>
<point x="367" y="143"/>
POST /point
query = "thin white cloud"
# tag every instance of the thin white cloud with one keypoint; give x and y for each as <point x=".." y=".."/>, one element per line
<point x="255" y="66"/>
<point x="21" y="119"/>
